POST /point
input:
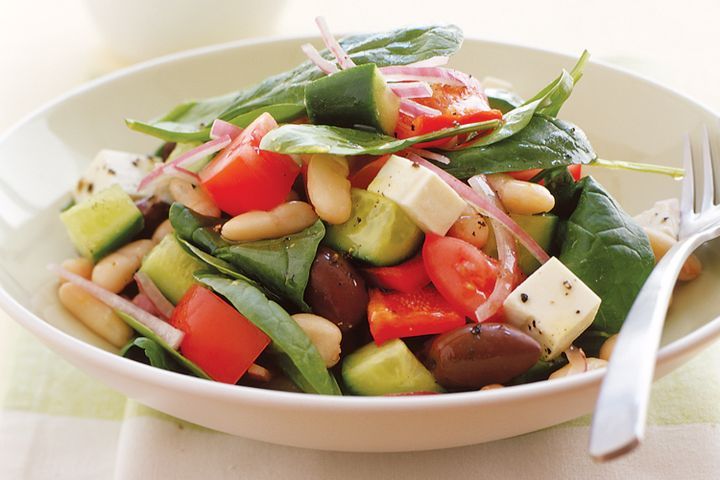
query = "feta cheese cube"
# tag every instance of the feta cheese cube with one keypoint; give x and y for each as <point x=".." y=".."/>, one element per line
<point x="663" y="216"/>
<point x="553" y="306"/>
<point x="111" y="167"/>
<point x="423" y="195"/>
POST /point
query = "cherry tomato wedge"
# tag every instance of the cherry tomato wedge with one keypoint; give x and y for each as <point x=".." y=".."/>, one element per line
<point x="406" y="277"/>
<point x="242" y="177"/>
<point x="464" y="275"/>
<point x="398" y="315"/>
<point x="367" y="173"/>
<point x="527" y="175"/>
<point x="218" y="338"/>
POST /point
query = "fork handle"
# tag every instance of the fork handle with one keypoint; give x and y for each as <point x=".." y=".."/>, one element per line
<point x="618" y="424"/>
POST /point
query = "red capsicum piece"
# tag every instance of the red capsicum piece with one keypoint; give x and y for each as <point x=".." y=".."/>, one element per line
<point x="218" y="338"/>
<point x="406" y="277"/>
<point x="398" y="315"/>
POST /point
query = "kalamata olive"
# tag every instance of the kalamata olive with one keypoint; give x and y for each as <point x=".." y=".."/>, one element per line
<point x="476" y="355"/>
<point x="336" y="290"/>
<point x="154" y="213"/>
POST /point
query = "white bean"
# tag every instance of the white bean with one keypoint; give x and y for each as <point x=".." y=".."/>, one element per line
<point x="492" y="386"/>
<point x="471" y="228"/>
<point x="193" y="197"/>
<point x="324" y="334"/>
<point x="163" y="229"/>
<point x="285" y="219"/>
<point x="97" y="316"/>
<point x="592" y="364"/>
<point x="523" y="198"/>
<point x="329" y="188"/>
<point x="661" y="242"/>
<point x="607" y="348"/>
<point x="79" y="266"/>
<point x="116" y="271"/>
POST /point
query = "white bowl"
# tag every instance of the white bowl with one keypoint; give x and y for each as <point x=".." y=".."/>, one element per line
<point x="625" y="116"/>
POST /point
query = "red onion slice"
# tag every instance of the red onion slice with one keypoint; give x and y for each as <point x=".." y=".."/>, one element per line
<point x="142" y="301"/>
<point x="437" y="157"/>
<point x="490" y="209"/>
<point x="412" y="90"/>
<point x="438" y="61"/>
<point x="148" y="288"/>
<point x="184" y="160"/>
<point x="577" y="360"/>
<point x="220" y="128"/>
<point x="325" y="65"/>
<point x="507" y="257"/>
<point x="414" y="109"/>
<point x="343" y="59"/>
<point x="169" y="334"/>
<point x="402" y="73"/>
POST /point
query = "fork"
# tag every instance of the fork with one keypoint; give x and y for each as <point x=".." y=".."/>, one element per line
<point x="618" y="424"/>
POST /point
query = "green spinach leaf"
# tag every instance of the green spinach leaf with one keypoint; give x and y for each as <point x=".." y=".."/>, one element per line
<point x="545" y="142"/>
<point x="174" y="354"/>
<point x="296" y="353"/>
<point x="397" y="47"/>
<point x="605" y="248"/>
<point x="144" y="350"/>
<point x="503" y="100"/>
<point x="308" y="139"/>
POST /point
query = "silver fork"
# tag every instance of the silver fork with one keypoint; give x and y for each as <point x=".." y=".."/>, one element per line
<point x="618" y="424"/>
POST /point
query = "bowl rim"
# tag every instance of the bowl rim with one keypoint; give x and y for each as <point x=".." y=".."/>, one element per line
<point x="59" y="340"/>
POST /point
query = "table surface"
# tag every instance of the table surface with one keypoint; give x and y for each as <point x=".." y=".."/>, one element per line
<point x="44" y="54"/>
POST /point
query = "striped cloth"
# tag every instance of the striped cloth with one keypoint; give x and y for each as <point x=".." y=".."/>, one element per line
<point x="55" y="422"/>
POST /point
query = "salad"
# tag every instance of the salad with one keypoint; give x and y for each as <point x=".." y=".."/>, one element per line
<point x="372" y="222"/>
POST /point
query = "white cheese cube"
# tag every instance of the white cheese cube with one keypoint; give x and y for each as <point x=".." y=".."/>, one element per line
<point x="110" y="167"/>
<point x="423" y="195"/>
<point x="664" y="217"/>
<point x="553" y="306"/>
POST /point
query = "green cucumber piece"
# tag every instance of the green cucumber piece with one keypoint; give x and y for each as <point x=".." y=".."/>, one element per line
<point x="389" y="368"/>
<point x="539" y="227"/>
<point x="171" y="268"/>
<point x="103" y="222"/>
<point x="378" y="231"/>
<point x="356" y="96"/>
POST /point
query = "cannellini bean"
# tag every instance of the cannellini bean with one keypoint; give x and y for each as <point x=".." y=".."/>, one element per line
<point x="471" y="228"/>
<point x="661" y="242"/>
<point x="79" y="266"/>
<point x="592" y="364"/>
<point x="116" y="271"/>
<point x="193" y="197"/>
<point x="329" y="188"/>
<point x="324" y="334"/>
<point x="259" y="373"/>
<point x="97" y="316"/>
<point x="163" y="229"/>
<point x="607" y="348"/>
<point x="492" y="386"/>
<point x="524" y="198"/>
<point x="285" y="219"/>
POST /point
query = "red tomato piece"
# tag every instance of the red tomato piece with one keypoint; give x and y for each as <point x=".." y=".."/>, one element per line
<point x="366" y="174"/>
<point x="242" y="177"/>
<point x="464" y="275"/>
<point x="398" y="315"/>
<point x="406" y="277"/>
<point x="218" y="338"/>
<point x="527" y="175"/>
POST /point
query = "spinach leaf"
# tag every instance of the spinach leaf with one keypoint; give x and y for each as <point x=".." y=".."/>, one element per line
<point x="503" y="100"/>
<point x="540" y="371"/>
<point x="174" y="354"/>
<point x="308" y="139"/>
<point x="396" y="47"/>
<point x="296" y="353"/>
<point x="281" y="265"/>
<point x="144" y="350"/>
<point x="179" y="130"/>
<point x="545" y="142"/>
<point x="606" y="249"/>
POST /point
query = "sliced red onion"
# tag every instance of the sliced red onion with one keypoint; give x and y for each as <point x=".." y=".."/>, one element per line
<point x="402" y="73"/>
<point x="220" y="128"/>
<point x="343" y="59"/>
<point x="507" y="257"/>
<point x="259" y="373"/>
<point x="184" y="160"/>
<point x="142" y="301"/>
<point x="430" y="155"/>
<point x="577" y="360"/>
<point x="171" y="335"/>
<point x="414" y="109"/>
<point x="148" y="288"/>
<point x="490" y="209"/>
<point x="412" y="90"/>
<point x="437" y="61"/>
<point x="325" y="65"/>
